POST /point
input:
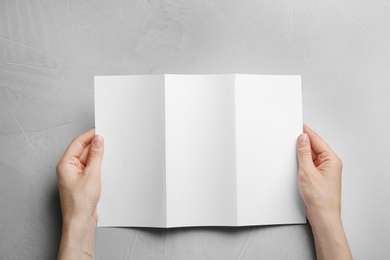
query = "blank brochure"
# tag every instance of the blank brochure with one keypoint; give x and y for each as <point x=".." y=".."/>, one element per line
<point x="199" y="150"/>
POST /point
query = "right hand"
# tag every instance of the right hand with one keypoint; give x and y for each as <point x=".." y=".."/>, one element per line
<point x="319" y="176"/>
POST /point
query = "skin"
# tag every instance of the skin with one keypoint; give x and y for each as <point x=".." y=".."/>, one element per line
<point x="320" y="187"/>
<point x="79" y="183"/>
<point x="78" y="174"/>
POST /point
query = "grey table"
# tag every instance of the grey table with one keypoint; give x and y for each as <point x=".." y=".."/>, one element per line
<point x="50" y="51"/>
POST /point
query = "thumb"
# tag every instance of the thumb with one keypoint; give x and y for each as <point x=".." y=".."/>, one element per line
<point x="305" y="158"/>
<point x="96" y="153"/>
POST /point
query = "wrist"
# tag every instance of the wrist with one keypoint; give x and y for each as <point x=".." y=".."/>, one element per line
<point x="79" y="217"/>
<point x="329" y="237"/>
<point x="79" y="224"/>
<point x="78" y="237"/>
<point x="321" y="217"/>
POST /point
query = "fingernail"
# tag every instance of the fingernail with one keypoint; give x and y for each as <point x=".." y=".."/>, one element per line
<point x="303" y="139"/>
<point x="97" y="141"/>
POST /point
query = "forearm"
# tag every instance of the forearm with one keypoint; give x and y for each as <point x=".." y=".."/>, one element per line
<point x="329" y="237"/>
<point x="78" y="239"/>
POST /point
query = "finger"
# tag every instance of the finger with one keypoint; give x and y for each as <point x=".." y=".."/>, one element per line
<point x="96" y="152"/>
<point x="84" y="156"/>
<point x="304" y="153"/>
<point x="313" y="154"/>
<point x="318" y="145"/>
<point x="77" y="146"/>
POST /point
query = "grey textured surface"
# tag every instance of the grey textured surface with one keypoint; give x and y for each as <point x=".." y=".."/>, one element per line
<point x="50" y="51"/>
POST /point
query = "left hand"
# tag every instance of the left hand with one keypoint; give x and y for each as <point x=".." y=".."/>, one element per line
<point x="78" y="174"/>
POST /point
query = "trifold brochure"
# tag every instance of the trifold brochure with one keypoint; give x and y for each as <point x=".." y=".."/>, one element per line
<point x="199" y="150"/>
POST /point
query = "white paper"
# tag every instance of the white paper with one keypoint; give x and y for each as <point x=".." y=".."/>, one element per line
<point x="129" y="114"/>
<point x="268" y="122"/>
<point x="199" y="150"/>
